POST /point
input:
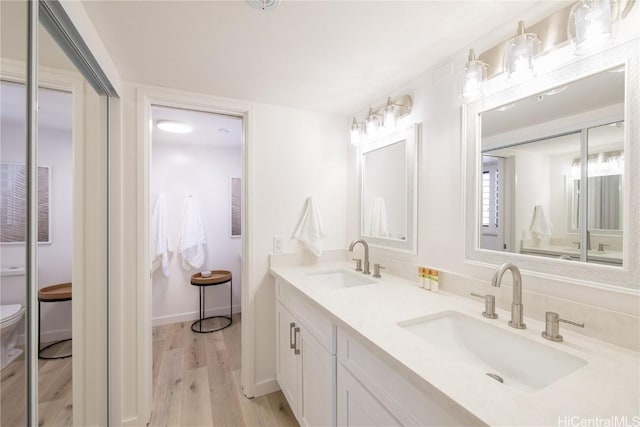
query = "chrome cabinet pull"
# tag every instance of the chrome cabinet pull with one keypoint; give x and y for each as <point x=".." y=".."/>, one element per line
<point x="292" y="343"/>
<point x="296" y="331"/>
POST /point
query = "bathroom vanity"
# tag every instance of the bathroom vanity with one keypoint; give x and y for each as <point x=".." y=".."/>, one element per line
<point x="354" y="350"/>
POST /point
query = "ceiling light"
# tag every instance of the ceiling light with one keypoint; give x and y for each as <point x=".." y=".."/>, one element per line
<point x="174" y="126"/>
<point x="265" y="4"/>
<point x="551" y="92"/>
<point x="223" y="130"/>
<point x="590" y="21"/>
<point x="506" y="107"/>
<point x="520" y="55"/>
<point x="474" y="74"/>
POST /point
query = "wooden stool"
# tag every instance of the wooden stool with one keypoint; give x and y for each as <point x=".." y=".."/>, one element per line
<point x="55" y="293"/>
<point x="218" y="277"/>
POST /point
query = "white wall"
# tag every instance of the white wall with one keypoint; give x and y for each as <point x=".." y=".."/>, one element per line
<point x="297" y="154"/>
<point x="54" y="259"/>
<point x="205" y="172"/>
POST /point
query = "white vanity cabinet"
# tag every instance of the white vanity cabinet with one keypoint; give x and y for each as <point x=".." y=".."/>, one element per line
<point x="306" y="360"/>
<point x="330" y="378"/>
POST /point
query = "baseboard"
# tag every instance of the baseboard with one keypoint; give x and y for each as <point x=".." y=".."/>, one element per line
<point x="49" y="336"/>
<point x="266" y="387"/>
<point x="185" y="317"/>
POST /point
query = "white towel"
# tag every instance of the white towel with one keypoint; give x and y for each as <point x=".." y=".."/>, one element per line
<point x="160" y="246"/>
<point x="540" y="225"/>
<point x="310" y="231"/>
<point x="192" y="238"/>
<point x="379" y="223"/>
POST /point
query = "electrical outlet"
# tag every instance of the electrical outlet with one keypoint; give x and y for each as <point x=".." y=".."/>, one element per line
<point x="277" y="244"/>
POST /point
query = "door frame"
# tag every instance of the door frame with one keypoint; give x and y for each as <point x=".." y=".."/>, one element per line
<point x="147" y="96"/>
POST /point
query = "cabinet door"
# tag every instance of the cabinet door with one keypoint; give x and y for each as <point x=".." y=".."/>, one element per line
<point x="317" y="398"/>
<point x="358" y="407"/>
<point x="287" y="360"/>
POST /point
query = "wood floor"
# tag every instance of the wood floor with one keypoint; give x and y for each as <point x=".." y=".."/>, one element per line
<point x="196" y="381"/>
<point x="55" y="406"/>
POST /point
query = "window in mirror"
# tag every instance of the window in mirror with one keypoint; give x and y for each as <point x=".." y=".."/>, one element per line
<point x="538" y="154"/>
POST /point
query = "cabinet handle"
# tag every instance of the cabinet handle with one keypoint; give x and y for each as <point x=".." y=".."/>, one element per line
<point x="296" y="350"/>
<point x="292" y="343"/>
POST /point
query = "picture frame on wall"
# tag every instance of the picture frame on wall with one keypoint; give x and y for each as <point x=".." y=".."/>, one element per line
<point x="236" y="207"/>
<point x="13" y="213"/>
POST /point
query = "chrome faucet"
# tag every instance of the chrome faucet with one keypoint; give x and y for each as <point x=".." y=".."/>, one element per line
<point x="366" y="254"/>
<point x="516" y="304"/>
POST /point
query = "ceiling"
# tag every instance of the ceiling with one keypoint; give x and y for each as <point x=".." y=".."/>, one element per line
<point x="328" y="56"/>
<point x="591" y="93"/>
<point x="214" y="130"/>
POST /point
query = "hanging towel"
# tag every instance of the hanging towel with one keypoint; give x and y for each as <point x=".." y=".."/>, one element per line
<point x="160" y="246"/>
<point x="192" y="238"/>
<point x="310" y="231"/>
<point x="379" y="224"/>
<point x="540" y="225"/>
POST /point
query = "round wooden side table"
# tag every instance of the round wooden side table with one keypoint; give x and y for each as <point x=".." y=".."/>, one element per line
<point x="55" y="293"/>
<point x="218" y="277"/>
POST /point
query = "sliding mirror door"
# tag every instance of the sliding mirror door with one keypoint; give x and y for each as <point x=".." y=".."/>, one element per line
<point x="13" y="217"/>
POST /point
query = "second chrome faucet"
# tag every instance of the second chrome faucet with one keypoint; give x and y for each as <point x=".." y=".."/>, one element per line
<point x="517" y="309"/>
<point x="366" y="255"/>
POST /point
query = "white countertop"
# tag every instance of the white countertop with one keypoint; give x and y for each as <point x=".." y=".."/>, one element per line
<point x="608" y="386"/>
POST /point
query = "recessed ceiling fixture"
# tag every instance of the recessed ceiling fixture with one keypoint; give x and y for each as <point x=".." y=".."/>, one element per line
<point x="223" y="130"/>
<point x="174" y="126"/>
<point x="264" y="4"/>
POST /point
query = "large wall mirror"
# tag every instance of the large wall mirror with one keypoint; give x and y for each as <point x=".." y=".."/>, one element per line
<point x="554" y="164"/>
<point x="388" y="190"/>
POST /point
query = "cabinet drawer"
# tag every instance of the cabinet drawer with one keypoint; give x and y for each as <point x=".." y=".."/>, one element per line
<point x="425" y="409"/>
<point x="314" y="321"/>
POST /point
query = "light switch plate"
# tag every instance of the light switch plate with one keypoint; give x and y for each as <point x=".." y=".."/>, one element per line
<point x="277" y="244"/>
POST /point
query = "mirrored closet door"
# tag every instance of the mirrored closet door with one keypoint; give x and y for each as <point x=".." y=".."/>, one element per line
<point x="53" y="221"/>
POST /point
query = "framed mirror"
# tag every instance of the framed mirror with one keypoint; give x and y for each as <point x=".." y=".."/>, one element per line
<point x="388" y="190"/>
<point x="552" y="172"/>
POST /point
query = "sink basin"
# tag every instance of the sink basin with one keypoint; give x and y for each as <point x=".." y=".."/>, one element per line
<point x="338" y="279"/>
<point x="503" y="355"/>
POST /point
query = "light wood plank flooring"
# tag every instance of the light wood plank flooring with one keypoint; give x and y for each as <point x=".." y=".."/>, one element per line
<point x="196" y="381"/>
<point x="55" y="406"/>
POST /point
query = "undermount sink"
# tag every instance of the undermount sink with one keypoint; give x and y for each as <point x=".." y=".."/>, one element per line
<point x="503" y="355"/>
<point x="338" y="279"/>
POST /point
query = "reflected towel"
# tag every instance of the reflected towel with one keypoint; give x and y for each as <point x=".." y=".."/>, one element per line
<point x="310" y="230"/>
<point x="192" y="237"/>
<point x="540" y="225"/>
<point x="379" y="224"/>
<point x="160" y="247"/>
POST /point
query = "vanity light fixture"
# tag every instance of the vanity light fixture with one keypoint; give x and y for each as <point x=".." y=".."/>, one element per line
<point x="356" y="130"/>
<point x="474" y="75"/>
<point x="174" y="126"/>
<point x="384" y="117"/>
<point x="520" y="55"/>
<point x="590" y="25"/>
<point x="371" y="123"/>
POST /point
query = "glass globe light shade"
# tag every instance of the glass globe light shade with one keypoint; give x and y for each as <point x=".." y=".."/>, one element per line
<point x="520" y="55"/>
<point x="474" y="76"/>
<point x="590" y="26"/>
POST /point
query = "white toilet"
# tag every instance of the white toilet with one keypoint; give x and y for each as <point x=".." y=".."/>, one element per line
<point x="10" y="315"/>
